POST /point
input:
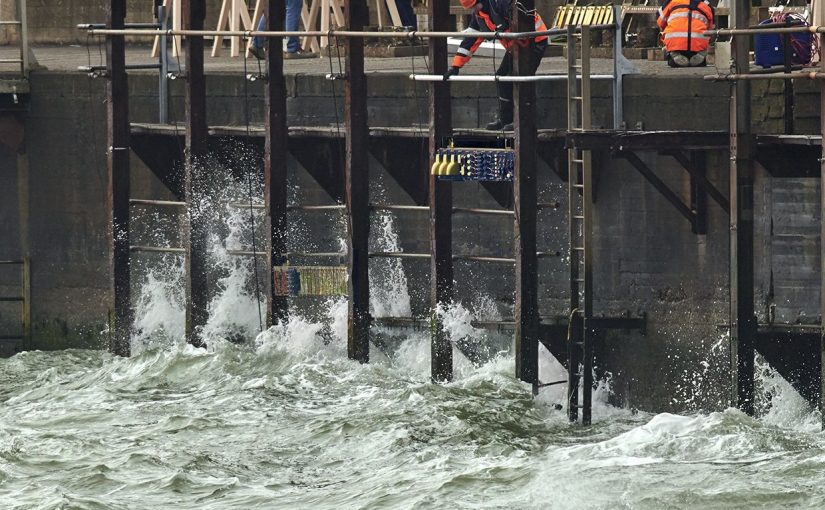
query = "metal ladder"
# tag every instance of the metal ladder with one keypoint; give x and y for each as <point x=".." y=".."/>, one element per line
<point x="24" y="298"/>
<point x="580" y="221"/>
<point x="22" y="38"/>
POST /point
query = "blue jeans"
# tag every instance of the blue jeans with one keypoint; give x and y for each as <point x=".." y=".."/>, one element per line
<point x="406" y="13"/>
<point x="293" y="16"/>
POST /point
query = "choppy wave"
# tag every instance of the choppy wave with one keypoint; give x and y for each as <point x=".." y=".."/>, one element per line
<point x="292" y="423"/>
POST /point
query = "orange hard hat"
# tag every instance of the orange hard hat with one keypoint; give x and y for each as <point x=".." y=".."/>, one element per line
<point x="467" y="4"/>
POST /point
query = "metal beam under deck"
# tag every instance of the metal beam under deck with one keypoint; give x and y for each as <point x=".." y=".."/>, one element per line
<point x="606" y="139"/>
<point x="259" y="130"/>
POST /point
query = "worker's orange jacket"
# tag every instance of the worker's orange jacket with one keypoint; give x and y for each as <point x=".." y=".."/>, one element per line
<point x="493" y="16"/>
<point x="683" y="24"/>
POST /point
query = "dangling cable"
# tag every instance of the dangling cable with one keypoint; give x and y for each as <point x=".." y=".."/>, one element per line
<point x="91" y="94"/>
<point x="251" y="193"/>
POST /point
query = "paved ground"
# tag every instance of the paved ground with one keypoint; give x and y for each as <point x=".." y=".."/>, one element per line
<point x="68" y="58"/>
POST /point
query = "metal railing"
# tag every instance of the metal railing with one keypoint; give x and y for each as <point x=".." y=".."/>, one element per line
<point x="22" y="36"/>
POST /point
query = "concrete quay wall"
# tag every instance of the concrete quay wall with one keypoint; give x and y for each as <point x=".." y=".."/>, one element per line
<point x="647" y="259"/>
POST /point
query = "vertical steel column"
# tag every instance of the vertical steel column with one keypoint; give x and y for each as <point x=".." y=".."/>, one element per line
<point x="743" y="323"/>
<point x="117" y="118"/>
<point x="197" y="304"/>
<point x="524" y="228"/>
<point x="440" y="199"/>
<point x="698" y="195"/>
<point x="822" y="231"/>
<point x="26" y="305"/>
<point x="357" y="185"/>
<point x="275" y="157"/>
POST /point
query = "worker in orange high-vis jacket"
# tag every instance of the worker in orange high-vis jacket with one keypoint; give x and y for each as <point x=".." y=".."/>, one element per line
<point x="495" y="16"/>
<point x="683" y="24"/>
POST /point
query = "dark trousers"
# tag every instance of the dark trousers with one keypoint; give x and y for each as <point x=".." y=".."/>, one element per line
<point x="505" y="88"/>
<point x="407" y="14"/>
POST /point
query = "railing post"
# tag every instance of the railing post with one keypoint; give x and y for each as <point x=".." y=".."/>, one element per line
<point x="24" y="38"/>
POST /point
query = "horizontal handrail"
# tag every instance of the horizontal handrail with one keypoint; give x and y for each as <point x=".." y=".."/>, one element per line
<point x="128" y="67"/>
<point x="774" y="76"/>
<point x="762" y="30"/>
<point x="248" y="34"/>
<point x="486" y="78"/>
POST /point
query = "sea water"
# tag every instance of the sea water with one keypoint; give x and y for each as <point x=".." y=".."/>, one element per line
<point x="282" y="419"/>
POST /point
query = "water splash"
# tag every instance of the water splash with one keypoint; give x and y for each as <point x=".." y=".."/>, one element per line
<point x="389" y="296"/>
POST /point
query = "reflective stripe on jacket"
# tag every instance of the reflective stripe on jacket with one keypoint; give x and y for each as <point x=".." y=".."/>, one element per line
<point x="493" y="16"/>
<point x="683" y="24"/>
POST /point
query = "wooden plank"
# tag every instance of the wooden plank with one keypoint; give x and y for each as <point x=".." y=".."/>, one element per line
<point x="524" y="191"/>
<point x="197" y="303"/>
<point x="440" y="200"/>
<point x="743" y="322"/>
<point x="275" y="160"/>
<point x="357" y="185"/>
<point x="117" y="109"/>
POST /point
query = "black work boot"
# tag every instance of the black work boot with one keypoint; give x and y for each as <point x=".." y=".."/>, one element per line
<point x="504" y="119"/>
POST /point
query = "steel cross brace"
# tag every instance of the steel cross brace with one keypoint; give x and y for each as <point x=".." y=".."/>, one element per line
<point x="660" y="186"/>
<point x="699" y="175"/>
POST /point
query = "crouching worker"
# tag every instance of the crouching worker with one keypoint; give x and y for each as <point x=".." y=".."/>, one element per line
<point x="494" y="16"/>
<point x="683" y="24"/>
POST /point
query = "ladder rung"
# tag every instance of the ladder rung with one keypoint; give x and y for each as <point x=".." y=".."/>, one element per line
<point x="10" y="61"/>
<point x="552" y="383"/>
<point x="578" y="217"/>
<point x="578" y="248"/>
<point x="578" y="185"/>
<point x="574" y="160"/>
<point x="576" y="98"/>
<point x="578" y="279"/>
<point x="10" y="23"/>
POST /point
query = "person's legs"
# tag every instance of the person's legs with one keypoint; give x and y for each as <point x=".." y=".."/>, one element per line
<point x="698" y="59"/>
<point x="405" y="11"/>
<point x="293" y="17"/>
<point x="258" y="41"/>
<point x="505" y="94"/>
<point x="678" y="59"/>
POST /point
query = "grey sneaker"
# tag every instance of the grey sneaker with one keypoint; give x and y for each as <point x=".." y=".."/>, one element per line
<point x="679" y="59"/>
<point x="291" y="55"/>
<point x="698" y="59"/>
<point x="258" y="52"/>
